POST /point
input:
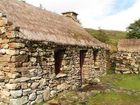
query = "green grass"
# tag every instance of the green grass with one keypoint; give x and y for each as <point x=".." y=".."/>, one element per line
<point x="131" y="82"/>
<point x="108" y="36"/>
<point x="113" y="98"/>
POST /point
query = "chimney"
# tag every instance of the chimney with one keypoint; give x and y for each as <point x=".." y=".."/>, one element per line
<point x="23" y="1"/>
<point x="72" y="15"/>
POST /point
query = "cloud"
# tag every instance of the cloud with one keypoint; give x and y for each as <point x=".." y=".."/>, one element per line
<point x="121" y="20"/>
<point x="107" y="14"/>
<point x="120" y="5"/>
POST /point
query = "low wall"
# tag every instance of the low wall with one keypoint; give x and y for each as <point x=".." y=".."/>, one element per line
<point x="127" y="62"/>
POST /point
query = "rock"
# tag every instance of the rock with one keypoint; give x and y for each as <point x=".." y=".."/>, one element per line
<point x="2" y="30"/>
<point x="63" y="86"/>
<point x="13" y="75"/>
<point x="10" y="52"/>
<point x="16" y="45"/>
<point x="12" y="86"/>
<point x="52" y="76"/>
<point x="32" y="59"/>
<point x="97" y="80"/>
<point x="24" y="99"/>
<point x="32" y="97"/>
<point x="53" y="102"/>
<point x="35" y="78"/>
<point x="2" y="78"/>
<point x="23" y="79"/>
<point x="5" y="58"/>
<point x="19" y="101"/>
<point x="40" y="92"/>
<point x="117" y="72"/>
<point x="5" y="93"/>
<point x="15" y="102"/>
<point x="3" y="21"/>
<point x="27" y="91"/>
<point x="46" y="94"/>
<point x="32" y="103"/>
<point x="39" y="98"/>
<point x="53" y="93"/>
<point x="20" y="58"/>
<point x="3" y="51"/>
<point x="16" y="93"/>
<point x="61" y="75"/>
<point x="127" y="72"/>
<point x="22" y="52"/>
<point x="94" y="81"/>
<point x="136" y="72"/>
<point x="24" y="85"/>
<point x="34" y="85"/>
<point x="5" y="46"/>
<point x="42" y="82"/>
<point x="11" y="34"/>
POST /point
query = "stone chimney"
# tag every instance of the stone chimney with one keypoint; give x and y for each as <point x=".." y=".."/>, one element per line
<point x="24" y="1"/>
<point x="72" y="15"/>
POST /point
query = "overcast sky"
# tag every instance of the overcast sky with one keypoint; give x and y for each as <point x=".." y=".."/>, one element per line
<point x="104" y="14"/>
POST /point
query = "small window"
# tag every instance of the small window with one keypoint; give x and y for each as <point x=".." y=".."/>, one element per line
<point x="82" y="59"/>
<point x="95" y="54"/>
<point x="58" y="56"/>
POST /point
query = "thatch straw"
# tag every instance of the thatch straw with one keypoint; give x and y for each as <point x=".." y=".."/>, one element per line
<point x="42" y="25"/>
<point x="129" y="45"/>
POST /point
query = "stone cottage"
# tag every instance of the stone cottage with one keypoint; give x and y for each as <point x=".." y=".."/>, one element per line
<point x="43" y="53"/>
<point x="128" y="56"/>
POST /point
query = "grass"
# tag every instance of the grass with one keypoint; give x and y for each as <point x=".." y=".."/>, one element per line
<point x="131" y="82"/>
<point x="108" y="36"/>
<point x="113" y="98"/>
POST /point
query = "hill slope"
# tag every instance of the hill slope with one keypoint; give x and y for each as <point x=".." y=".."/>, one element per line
<point x="108" y="36"/>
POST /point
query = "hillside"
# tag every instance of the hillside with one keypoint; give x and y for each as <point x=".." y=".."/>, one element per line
<point x="108" y="36"/>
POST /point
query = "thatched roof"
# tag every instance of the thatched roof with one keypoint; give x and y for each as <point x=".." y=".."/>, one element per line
<point x="42" y="25"/>
<point x="130" y="45"/>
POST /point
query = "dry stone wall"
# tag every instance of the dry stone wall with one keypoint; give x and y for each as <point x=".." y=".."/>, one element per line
<point x="127" y="62"/>
<point x="27" y="68"/>
<point x="94" y="66"/>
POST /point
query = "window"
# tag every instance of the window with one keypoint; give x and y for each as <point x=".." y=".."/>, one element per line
<point x="82" y="59"/>
<point x="95" y="54"/>
<point x="58" y="56"/>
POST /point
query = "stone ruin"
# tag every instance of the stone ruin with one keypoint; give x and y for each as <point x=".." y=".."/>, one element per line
<point x="127" y="59"/>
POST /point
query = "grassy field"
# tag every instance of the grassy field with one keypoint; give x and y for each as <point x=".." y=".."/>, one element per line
<point x="108" y="36"/>
<point x="113" y="98"/>
<point x="129" y="83"/>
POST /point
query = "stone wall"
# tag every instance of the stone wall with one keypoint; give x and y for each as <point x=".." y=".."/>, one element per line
<point x="93" y="66"/>
<point x="127" y="62"/>
<point x="27" y="68"/>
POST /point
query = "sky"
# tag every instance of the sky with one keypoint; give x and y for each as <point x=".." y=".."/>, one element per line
<point x="103" y="14"/>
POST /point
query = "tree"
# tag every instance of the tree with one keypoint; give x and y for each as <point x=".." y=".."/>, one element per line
<point x="133" y="31"/>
